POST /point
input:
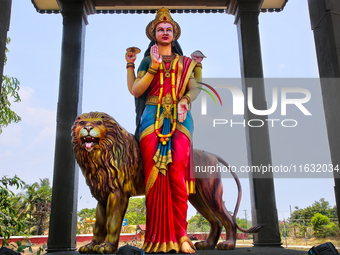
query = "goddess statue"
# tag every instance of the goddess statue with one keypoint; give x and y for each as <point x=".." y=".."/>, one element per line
<point x="164" y="87"/>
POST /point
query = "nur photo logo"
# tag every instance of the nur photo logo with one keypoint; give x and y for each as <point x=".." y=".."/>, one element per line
<point x="280" y="99"/>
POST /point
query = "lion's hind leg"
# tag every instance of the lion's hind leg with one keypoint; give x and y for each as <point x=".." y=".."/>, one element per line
<point x="216" y="226"/>
<point x="212" y="195"/>
<point x="210" y="186"/>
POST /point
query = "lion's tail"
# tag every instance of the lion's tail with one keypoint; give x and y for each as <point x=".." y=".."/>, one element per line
<point x="254" y="229"/>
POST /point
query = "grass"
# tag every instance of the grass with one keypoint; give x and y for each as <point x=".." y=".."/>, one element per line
<point x="311" y="241"/>
<point x="299" y="241"/>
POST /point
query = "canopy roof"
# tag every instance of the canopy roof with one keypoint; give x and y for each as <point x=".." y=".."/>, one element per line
<point x="150" y="6"/>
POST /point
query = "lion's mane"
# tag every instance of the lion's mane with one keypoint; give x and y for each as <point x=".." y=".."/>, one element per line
<point x="110" y="165"/>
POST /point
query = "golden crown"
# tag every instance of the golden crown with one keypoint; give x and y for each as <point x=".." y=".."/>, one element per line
<point x="163" y="15"/>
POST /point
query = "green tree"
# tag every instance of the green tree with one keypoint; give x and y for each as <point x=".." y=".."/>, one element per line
<point x="322" y="206"/>
<point x="85" y="218"/>
<point x="28" y="204"/>
<point x="198" y="223"/>
<point x="135" y="213"/>
<point x="35" y="205"/>
<point x="9" y="89"/>
<point x="242" y="223"/>
<point x="43" y="205"/>
<point x="9" y="222"/>
<point x="86" y="213"/>
<point x="323" y="227"/>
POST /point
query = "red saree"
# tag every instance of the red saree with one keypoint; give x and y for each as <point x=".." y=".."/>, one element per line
<point x="168" y="178"/>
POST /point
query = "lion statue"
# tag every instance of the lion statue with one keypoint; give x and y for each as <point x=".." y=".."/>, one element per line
<point x="110" y="160"/>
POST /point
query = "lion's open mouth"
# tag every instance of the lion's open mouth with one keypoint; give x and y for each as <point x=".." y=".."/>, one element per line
<point x="89" y="142"/>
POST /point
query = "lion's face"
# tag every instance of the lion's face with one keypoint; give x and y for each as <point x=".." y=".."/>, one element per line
<point x="89" y="131"/>
<point x="105" y="152"/>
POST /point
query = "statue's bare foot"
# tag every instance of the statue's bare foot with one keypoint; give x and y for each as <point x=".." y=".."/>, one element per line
<point x="226" y="245"/>
<point x="88" y="248"/>
<point x="186" y="248"/>
<point x="105" y="248"/>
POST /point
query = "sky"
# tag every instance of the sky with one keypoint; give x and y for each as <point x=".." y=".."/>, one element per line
<point x="288" y="51"/>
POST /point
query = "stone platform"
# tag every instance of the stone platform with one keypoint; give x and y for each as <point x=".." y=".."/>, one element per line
<point x="238" y="251"/>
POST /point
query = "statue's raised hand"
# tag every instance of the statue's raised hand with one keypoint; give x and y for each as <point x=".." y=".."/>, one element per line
<point x="155" y="57"/>
<point x="131" y="54"/>
<point x="130" y="57"/>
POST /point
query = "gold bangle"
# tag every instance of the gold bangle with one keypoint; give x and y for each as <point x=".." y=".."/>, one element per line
<point x="199" y="65"/>
<point x="152" y="71"/>
<point x="130" y="65"/>
<point x="187" y="98"/>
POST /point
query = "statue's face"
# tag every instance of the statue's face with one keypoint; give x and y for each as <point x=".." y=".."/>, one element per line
<point x="164" y="33"/>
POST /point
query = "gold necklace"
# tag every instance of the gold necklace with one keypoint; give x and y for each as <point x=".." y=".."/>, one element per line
<point x="167" y="71"/>
<point x="164" y="138"/>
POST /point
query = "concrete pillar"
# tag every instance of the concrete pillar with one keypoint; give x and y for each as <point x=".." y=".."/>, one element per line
<point x="325" y="21"/>
<point x="5" y="16"/>
<point x="63" y="220"/>
<point x="258" y="145"/>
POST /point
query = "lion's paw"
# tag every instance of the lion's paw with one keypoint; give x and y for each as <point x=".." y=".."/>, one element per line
<point x="105" y="248"/>
<point x="226" y="245"/>
<point x="205" y="245"/>
<point x="88" y="248"/>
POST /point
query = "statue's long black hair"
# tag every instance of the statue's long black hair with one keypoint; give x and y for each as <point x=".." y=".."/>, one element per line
<point x="140" y="101"/>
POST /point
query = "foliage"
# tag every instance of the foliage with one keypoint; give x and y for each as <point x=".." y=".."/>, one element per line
<point x="331" y="229"/>
<point x="9" y="222"/>
<point x="43" y="205"/>
<point x="85" y="220"/>
<point x="295" y="229"/>
<point x="135" y="215"/>
<point x="128" y="229"/>
<point x="242" y="223"/>
<point x="21" y="247"/>
<point x="321" y="206"/>
<point x="323" y="227"/>
<point x="317" y="220"/>
<point x="35" y="206"/>
<point x="198" y="223"/>
<point x="9" y="88"/>
<point x="136" y="211"/>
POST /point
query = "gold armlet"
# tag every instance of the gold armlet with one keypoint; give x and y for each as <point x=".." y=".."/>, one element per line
<point x="152" y="71"/>
<point x="199" y="65"/>
<point x="130" y="65"/>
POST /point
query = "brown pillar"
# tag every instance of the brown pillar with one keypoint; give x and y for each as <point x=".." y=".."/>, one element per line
<point x="258" y="145"/>
<point x="5" y="16"/>
<point x="63" y="220"/>
<point x="325" y="21"/>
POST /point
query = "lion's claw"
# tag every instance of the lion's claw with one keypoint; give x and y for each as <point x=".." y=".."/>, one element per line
<point x="88" y="248"/>
<point x="105" y="248"/>
<point x="226" y="245"/>
<point x="205" y="245"/>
